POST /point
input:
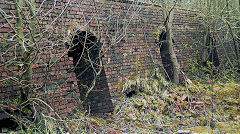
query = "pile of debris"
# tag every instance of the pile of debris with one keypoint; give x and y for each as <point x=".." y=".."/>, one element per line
<point x="156" y="106"/>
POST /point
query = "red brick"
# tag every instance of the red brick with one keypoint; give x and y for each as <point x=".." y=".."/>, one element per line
<point x="62" y="107"/>
<point x="70" y="105"/>
<point x="67" y="110"/>
<point x="118" y="64"/>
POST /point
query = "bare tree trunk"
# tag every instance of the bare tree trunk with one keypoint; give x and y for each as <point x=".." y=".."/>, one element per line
<point x="239" y="5"/>
<point x="235" y="44"/>
<point x="205" y="54"/>
<point x="26" y="79"/>
<point x="168" y="17"/>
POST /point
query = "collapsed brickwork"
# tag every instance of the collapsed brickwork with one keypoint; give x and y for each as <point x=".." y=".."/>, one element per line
<point x="126" y="32"/>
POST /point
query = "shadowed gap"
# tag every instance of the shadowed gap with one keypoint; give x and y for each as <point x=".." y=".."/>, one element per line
<point x="214" y="57"/>
<point x="85" y="50"/>
<point x="165" y="56"/>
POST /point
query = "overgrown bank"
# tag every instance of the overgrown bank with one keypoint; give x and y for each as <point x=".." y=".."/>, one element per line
<point x="156" y="106"/>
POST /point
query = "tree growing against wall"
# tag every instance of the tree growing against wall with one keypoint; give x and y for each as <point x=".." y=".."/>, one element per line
<point x="168" y="19"/>
<point x="219" y="28"/>
<point x="21" y="49"/>
<point x="34" y="58"/>
<point x="26" y="45"/>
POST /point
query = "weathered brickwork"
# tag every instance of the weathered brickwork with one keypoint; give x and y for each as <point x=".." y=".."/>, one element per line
<point x="126" y="31"/>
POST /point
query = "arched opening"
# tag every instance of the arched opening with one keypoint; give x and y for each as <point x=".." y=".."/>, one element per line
<point x="8" y="120"/>
<point x="84" y="48"/>
<point x="209" y="53"/>
<point x="165" y="56"/>
<point x="8" y="124"/>
<point x="214" y="57"/>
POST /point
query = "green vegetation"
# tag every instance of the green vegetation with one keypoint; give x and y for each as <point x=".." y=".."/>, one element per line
<point x="204" y="100"/>
<point x="201" y="108"/>
<point x="159" y="106"/>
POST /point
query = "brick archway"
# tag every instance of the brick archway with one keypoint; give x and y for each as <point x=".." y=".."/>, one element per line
<point x="84" y="48"/>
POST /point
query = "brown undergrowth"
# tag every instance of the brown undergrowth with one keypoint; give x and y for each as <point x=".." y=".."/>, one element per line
<point x="157" y="106"/>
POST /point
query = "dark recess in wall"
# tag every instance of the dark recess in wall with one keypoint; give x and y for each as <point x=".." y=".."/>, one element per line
<point x="165" y="56"/>
<point x="84" y="49"/>
<point x="8" y="123"/>
<point x="212" y="52"/>
<point x="214" y="57"/>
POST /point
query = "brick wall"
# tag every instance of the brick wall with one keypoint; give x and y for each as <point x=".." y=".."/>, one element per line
<point x="124" y="29"/>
